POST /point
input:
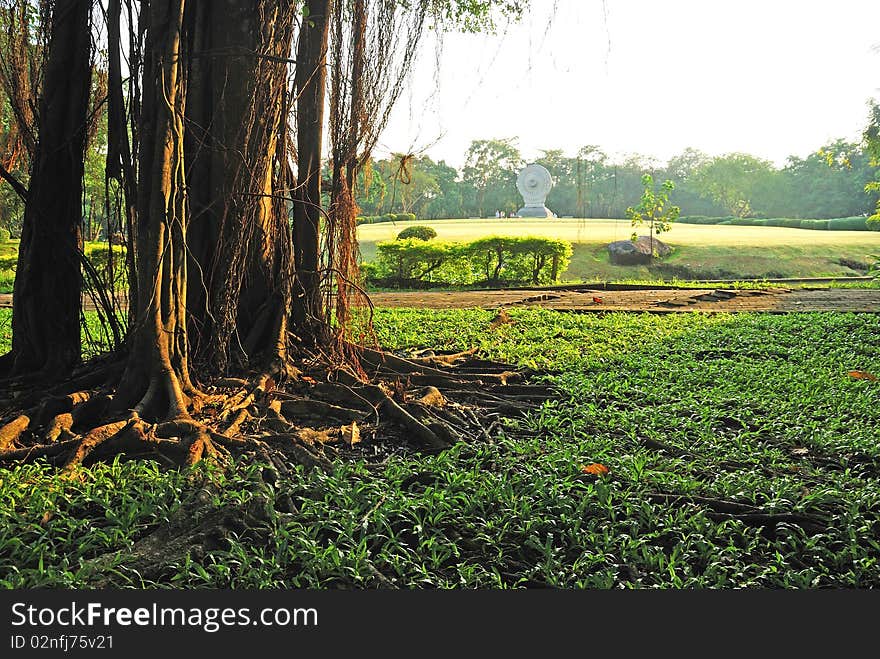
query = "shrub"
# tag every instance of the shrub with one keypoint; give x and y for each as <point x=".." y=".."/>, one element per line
<point x="4" y="235"/>
<point x="418" y="231"/>
<point x="814" y="224"/>
<point x="99" y="258"/>
<point x="546" y="258"/>
<point x="493" y="259"/>
<point x="405" y="217"/>
<point x="848" y="224"/>
<point x="526" y="259"/>
<point x="411" y="259"/>
<point x="8" y="263"/>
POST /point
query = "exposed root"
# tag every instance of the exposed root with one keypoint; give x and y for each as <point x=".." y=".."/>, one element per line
<point x="428" y="403"/>
<point x="721" y="509"/>
<point x="59" y="428"/>
<point x="11" y="432"/>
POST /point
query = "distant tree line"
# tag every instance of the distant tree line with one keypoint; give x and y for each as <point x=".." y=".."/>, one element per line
<point x="830" y="182"/>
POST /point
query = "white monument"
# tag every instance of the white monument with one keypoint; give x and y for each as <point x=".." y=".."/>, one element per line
<point x="534" y="184"/>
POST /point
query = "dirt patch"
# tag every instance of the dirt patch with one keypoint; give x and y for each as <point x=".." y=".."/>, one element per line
<point x="771" y="300"/>
<point x="659" y="300"/>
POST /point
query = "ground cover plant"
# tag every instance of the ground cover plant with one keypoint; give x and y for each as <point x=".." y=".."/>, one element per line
<point x="741" y="451"/>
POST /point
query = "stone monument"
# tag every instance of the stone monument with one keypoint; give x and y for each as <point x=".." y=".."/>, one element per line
<point x="534" y="184"/>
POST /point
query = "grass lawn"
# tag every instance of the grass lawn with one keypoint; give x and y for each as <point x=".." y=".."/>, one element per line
<point x="741" y="454"/>
<point x="701" y="251"/>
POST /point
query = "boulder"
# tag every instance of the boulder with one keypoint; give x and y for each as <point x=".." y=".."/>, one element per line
<point x="637" y="252"/>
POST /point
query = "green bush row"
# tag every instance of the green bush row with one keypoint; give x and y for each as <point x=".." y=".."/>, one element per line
<point x="837" y="224"/>
<point x="490" y="260"/>
<point x="387" y="217"/>
<point x="4" y="235"/>
<point x="99" y="258"/>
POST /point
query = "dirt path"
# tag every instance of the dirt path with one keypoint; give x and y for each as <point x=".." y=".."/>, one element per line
<point x="773" y="300"/>
<point x="653" y="300"/>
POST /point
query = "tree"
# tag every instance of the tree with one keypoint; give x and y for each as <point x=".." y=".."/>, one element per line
<point x="491" y="168"/>
<point x="46" y="343"/>
<point x="223" y="284"/>
<point x="654" y="208"/>
<point x="732" y="181"/>
<point x="872" y="143"/>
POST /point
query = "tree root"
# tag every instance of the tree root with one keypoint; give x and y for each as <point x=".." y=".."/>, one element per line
<point x="12" y="431"/>
<point x="430" y="401"/>
<point x="721" y="509"/>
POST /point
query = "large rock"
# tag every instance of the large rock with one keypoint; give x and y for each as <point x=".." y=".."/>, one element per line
<point x="638" y="252"/>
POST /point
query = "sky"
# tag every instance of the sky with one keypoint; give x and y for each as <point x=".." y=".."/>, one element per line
<point x="772" y="78"/>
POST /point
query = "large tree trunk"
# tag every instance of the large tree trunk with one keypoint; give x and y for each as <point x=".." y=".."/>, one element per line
<point x="311" y="84"/>
<point x="156" y="382"/>
<point x="48" y="282"/>
<point x="238" y="176"/>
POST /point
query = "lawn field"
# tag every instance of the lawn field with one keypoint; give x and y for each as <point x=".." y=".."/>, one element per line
<point x="740" y="452"/>
<point x="701" y="251"/>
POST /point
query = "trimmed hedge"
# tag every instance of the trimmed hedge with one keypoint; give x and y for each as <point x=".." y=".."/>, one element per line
<point x="387" y="217"/>
<point x="836" y="224"/>
<point x="4" y="235"/>
<point x="491" y="260"/>
<point x="418" y="231"/>
<point x="849" y="224"/>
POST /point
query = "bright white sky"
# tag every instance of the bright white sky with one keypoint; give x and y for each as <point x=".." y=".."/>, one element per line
<point x="769" y="77"/>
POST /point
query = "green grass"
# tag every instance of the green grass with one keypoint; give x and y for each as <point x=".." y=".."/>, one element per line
<point x="701" y="252"/>
<point x="7" y="276"/>
<point x="756" y="409"/>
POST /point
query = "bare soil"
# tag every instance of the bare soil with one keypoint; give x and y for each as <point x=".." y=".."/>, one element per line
<point x="771" y="300"/>
<point x="655" y="300"/>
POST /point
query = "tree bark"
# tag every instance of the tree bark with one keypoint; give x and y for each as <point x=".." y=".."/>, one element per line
<point x="156" y="382"/>
<point x="311" y="84"/>
<point x="48" y="282"/>
<point x="238" y="176"/>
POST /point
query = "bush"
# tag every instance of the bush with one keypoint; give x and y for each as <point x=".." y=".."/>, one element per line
<point x="387" y="217"/>
<point x="527" y="259"/>
<point x="8" y="263"/>
<point x="848" y="224"/>
<point x="409" y="261"/>
<point x="418" y="231"/>
<point x="4" y="235"/>
<point x="99" y="258"/>
<point x="814" y="224"/>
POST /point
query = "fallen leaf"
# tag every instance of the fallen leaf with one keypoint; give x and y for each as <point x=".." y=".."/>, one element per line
<point x="597" y="300"/>
<point x="863" y="375"/>
<point x="501" y="319"/>
<point x="596" y="469"/>
<point x="309" y="380"/>
<point x="351" y="435"/>
<point x="46" y="518"/>
<point x="799" y="451"/>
